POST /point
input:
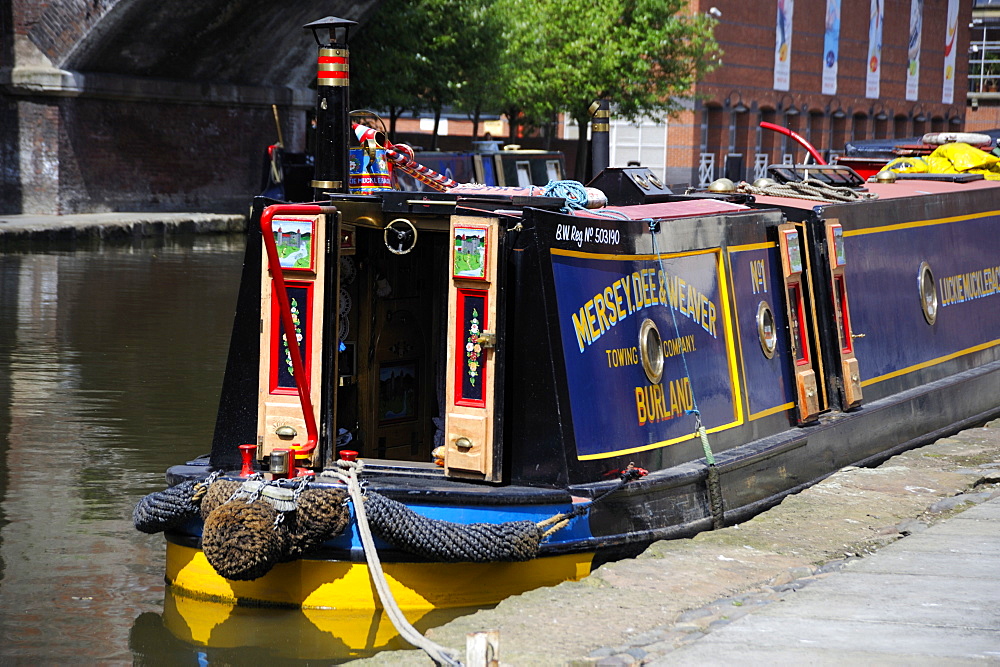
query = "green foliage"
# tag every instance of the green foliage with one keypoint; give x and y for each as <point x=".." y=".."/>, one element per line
<point x="384" y="67"/>
<point x="532" y="59"/>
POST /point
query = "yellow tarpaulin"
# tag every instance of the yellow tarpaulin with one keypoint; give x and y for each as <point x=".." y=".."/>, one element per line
<point x="954" y="158"/>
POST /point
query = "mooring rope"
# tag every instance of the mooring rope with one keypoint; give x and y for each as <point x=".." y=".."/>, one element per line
<point x="439" y="654"/>
<point x="809" y="188"/>
<point x="443" y="540"/>
<point x="577" y="198"/>
<point x="713" y="483"/>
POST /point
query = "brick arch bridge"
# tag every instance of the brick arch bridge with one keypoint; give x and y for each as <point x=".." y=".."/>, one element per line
<point x="150" y="105"/>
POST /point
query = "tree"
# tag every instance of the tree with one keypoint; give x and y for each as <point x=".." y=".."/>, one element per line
<point x="384" y="72"/>
<point x="428" y="54"/>
<point x="642" y="54"/>
<point x="478" y="86"/>
<point x="531" y="59"/>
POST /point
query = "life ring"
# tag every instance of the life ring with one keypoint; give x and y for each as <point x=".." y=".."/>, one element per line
<point x="971" y="138"/>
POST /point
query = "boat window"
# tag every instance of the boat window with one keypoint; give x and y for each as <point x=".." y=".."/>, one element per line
<point x="553" y="170"/>
<point x="928" y="293"/>
<point x="651" y="350"/>
<point x="766" y="330"/>
<point x="523" y="173"/>
<point x="800" y="349"/>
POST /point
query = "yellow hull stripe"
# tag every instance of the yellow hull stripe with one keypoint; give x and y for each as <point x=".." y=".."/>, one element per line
<point x="932" y="362"/>
<point x="315" y="584"/>
<point x="920" y="223"/>
<point x="771" y="411"/>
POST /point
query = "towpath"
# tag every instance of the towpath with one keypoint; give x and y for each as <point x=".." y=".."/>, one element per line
<point x="889" y="565"/>
<point x="19" y="229"/>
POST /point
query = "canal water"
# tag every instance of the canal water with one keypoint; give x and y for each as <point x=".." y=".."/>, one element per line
<point x="111" y="362"/>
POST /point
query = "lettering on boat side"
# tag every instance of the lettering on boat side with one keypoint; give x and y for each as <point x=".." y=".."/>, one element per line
<point x="970" y="286"/>
<point x="656" y="403"/>
<point x="758" y="276"/>
<point x="633" y="292"/>
<point x="671" y="348"/>
<point x="579" y="236"/>
<point x="602" y="301"/>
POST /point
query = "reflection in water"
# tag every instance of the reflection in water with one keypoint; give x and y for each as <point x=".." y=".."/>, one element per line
<point x="229" y="634"/>
<point x="111" y="362"/>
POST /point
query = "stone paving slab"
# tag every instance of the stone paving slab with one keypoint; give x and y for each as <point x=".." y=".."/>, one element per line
<point x="794" y="657"/>
<point x="889" y="605"/>
<point x="936" y="605"/>
<point x="955" y="564"/>
<point x="877" y="642"/>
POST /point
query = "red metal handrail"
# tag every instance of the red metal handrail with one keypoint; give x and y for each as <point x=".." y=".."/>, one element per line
<point x="285" y="310"/>
<point x="799" y="138"/>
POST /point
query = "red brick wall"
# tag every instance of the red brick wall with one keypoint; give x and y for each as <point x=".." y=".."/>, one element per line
<point x="165" y="157"/>
<point x="746" y="33"/>
<point x="66" y="155"/>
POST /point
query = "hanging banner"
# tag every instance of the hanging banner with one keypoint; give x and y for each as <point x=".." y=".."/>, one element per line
<point x="913" y="50"/>
<point x="950" y="39"/>
<point x="874" y="67"/>
<point x="783" y="45"/>
<point x="831" y="47"/>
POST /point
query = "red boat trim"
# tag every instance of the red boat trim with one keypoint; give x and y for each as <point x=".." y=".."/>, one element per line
<point x="281" y="292"/>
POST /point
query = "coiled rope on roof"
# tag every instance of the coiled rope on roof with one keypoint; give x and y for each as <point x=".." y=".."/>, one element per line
<point x="809" y="188"/>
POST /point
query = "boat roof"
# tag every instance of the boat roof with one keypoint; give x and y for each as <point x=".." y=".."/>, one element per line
<point x="900" y="189"/>
<point x="662" y="210"/>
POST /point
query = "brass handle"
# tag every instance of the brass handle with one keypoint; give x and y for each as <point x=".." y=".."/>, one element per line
<point x="487" y="339"/>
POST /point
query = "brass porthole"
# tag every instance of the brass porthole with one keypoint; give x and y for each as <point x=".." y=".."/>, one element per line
<point x="766" y="330"/>
<point x="928" y="292"/>
<point x="651" y="350"/>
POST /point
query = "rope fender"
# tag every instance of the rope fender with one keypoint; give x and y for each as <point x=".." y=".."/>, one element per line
<point x="449" y="542"/>
<point x="167" y="509"/>
<point x="246" y="530"/>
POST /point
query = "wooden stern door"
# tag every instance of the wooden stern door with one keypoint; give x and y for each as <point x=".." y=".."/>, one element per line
<point x="471" y="448"/>
<point x="806" y="361"/>
<point x="850" y="376"/>
<point x="301" y="244"/>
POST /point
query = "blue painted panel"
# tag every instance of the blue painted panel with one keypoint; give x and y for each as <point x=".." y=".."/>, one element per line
<point x="882" y="274"/>
<point x="756" y="277"/>
<point x="577" y="530"/>
<point x="602" y="301"/>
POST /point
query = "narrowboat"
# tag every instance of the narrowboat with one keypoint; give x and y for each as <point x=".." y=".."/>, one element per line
<point x="522" y="387"/>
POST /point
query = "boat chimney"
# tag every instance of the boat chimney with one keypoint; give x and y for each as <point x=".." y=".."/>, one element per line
<point x="600" y="137"/>
<point x="333" y="123"/>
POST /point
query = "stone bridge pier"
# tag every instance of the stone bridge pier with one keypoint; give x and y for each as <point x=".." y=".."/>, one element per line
<point x="151" y="105"/>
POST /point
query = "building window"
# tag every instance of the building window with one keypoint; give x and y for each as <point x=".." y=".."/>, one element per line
<point x="881" y="127"/>
<point x="767" y="137"/>
<point x="900" y="127"/>
<point x="838" y="133"/>
<point x="717" y="136"/>
<point x="984" y="57"/>
<point x="860" y="131"/>
<point x="644" y="142"/>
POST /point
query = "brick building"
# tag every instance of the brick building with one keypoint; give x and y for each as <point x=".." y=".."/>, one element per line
<point x="720" y="134"/>
<point x="983" y="111"/>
